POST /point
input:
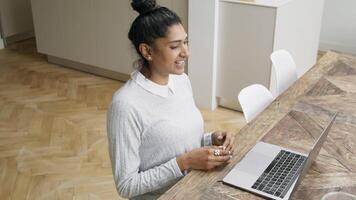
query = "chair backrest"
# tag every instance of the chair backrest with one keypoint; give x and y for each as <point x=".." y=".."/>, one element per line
<point x="253" y="100"/>
<point x="285" y="70"/>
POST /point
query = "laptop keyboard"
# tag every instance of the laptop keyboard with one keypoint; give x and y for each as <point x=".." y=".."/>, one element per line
<point x="280" y="174"/>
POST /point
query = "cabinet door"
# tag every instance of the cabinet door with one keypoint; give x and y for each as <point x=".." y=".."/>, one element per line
<point x="16" y="17"/>
<point x="48" y="26"/>
<point x="78" y="31"/>
<point x="245" y="41"/>
<point x="114" y="50"/>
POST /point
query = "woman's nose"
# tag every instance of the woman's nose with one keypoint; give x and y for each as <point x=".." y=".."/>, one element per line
<point x="185" y="51"/>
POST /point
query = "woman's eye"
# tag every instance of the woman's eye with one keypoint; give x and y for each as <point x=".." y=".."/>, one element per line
<point x="174" y="47"/>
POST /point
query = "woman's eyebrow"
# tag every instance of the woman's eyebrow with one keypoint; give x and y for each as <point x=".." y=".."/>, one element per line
<point x="175" y="41"/>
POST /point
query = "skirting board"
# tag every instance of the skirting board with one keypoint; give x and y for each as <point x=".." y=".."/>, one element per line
<point x="229" y="104"/>
<point x="88" y="68"/>
<point x="18" y="37"/>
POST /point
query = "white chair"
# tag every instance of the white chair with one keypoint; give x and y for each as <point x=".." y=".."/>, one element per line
<point x="253" y="100"/>
<point x="284" y="69"/>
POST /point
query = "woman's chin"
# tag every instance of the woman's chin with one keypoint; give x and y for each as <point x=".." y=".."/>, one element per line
<point x="179" y="71"/>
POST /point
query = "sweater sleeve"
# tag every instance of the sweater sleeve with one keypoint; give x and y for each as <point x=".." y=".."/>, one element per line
<point x="206" y="139"/>
<point x="124" y="136"/>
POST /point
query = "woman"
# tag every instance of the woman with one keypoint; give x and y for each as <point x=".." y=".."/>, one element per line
<point x="155" y="131"/>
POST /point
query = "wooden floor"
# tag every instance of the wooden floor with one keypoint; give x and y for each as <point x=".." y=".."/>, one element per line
<point x="53" y="141"/>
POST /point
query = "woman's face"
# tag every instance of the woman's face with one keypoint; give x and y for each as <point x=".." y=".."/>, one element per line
<point x="169" y="54"/>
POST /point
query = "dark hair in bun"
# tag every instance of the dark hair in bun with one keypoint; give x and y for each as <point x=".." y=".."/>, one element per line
<point x="152" y="23"/>
<point x="143" y="6"/>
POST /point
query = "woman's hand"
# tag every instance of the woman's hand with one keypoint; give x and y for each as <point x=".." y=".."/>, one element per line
<point x="223" y="139"/>
<point x="204" y="158"/>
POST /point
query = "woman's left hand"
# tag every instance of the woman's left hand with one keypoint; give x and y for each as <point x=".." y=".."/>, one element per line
<point x="223" y="139"/>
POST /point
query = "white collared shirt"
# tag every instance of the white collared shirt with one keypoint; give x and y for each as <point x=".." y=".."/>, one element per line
<point x="154" y="88"/>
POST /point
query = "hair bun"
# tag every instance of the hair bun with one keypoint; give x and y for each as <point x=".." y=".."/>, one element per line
<point x="143" y="6"/>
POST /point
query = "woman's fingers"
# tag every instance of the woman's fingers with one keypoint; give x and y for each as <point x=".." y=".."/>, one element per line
<point x="229" y="141"/>
<point x="224" y="140"/>
<point x="231" y="144"/>
<point x="218" y="152"/>
<point x="222" y="158"/>
<point x="218" y="138"/>
<point x="219" y="160"/>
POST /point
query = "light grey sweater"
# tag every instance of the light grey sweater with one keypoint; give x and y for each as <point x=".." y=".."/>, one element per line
<point x="148" y="126"/>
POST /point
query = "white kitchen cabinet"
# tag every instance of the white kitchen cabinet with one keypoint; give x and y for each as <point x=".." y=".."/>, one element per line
<point x="15" y="20"/>
<point x="242" y="36"/>
<point x="48" y="25"/>
<point x="90" y="35"/>
<point x="112" y="22"/>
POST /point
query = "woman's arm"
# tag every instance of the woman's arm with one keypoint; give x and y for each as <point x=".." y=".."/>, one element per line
<point x="137" y="183"/>
<point x="124" y="141"/>
<point x="204" y="158"/>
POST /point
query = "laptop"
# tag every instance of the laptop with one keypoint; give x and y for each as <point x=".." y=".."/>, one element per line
<point x="272" y="171"/>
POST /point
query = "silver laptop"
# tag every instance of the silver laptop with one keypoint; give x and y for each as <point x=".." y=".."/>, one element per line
<point x="272" y="171"/>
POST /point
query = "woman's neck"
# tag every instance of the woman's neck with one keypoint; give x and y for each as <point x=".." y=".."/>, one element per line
<point x="155" y="76"/>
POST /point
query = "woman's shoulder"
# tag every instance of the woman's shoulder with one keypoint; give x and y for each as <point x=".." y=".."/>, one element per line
<point x="121" y="105"/>
<point x="125" y="94"/>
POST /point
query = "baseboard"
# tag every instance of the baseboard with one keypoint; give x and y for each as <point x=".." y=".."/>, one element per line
<point x="89" y="68"/>
<point x="18" y="37"/>
<point x="230" y="104"/>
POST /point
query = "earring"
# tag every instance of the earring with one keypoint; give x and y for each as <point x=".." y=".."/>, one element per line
<point x="149" y="58"/>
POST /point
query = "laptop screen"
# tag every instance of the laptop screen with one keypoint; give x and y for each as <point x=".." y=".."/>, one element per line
<point x="314" y="152"/>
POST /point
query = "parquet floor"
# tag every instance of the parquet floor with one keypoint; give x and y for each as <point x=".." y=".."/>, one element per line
<point x="53" y="141"/>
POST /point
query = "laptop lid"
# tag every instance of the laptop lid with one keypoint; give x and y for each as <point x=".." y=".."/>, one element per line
<point x="313" y="153"/>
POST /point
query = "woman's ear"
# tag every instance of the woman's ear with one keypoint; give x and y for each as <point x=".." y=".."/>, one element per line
<point x="146" y="51"/>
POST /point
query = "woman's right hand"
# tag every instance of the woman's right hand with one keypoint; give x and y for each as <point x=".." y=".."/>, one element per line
<point x="204" y="158"/>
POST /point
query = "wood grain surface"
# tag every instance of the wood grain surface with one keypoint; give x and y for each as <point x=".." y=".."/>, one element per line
<point x="294" y="120"/>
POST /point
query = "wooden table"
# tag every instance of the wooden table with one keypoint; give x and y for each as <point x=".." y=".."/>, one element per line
<point x="294" y="120"/>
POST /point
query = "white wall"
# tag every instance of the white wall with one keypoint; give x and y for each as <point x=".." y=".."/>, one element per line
<point x="339" y="26"/>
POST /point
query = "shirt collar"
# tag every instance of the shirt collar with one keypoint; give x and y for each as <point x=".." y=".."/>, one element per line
<point x="150" y="86"/>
